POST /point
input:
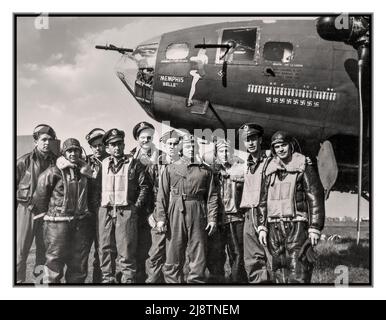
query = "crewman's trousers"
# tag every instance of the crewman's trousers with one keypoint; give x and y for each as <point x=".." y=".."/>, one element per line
<point x="118" y="237"/>
<point x="143" y="246"/>
<point x="68" y="244"/>
<point x="186" y="236"/>
<point x="285" y="240"/>
<point x="96" y="272"/>
<point x="216" y="256"/>
<point x="157" y="257"/>
<point x="27" y="230"/>
<point x="256" y="259"/>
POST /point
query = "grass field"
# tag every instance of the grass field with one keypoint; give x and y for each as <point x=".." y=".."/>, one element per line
<point x="344" y="253"/>
<point x="331" y="256"/>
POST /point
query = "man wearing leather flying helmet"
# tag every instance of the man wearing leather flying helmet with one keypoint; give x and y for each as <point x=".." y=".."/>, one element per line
<point x="291" y="211"/>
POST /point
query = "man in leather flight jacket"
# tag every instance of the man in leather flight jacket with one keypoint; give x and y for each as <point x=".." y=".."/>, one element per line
<point x="61" y="198"/>
<point x="28" y="169"/>
<point x="291" y="212"/>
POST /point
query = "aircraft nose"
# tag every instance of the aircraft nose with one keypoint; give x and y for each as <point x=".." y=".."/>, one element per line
<point x="136" y="71"/>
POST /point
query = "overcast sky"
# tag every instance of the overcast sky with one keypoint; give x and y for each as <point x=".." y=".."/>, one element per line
<point x="62" y="80"/>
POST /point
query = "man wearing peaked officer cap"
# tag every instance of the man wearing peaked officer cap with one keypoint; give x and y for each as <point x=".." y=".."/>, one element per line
<point x="140" y="127"/>
<point x="28" y="169"/>
<point x="250" y="129"/>
<point x="113" y="135"/>
<point x="147" y="153"/>
<point x="61" y="198"/>
<point x="94" y="139"/>
<point x="255" y="257"/>
<point x="125" y="190"/>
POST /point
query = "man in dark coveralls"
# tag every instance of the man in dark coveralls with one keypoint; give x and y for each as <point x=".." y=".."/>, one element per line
<point x="157" y="252"/>
<point x="187" y="202"/>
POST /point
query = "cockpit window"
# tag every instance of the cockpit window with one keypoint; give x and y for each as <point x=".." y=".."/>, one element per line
<point x="278" y="51"/>
<point x="177" y="51"/>
<point x="245" y="41"/>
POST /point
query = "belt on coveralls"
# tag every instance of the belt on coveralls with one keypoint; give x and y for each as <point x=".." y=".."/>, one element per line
<point x="189" y="197"/>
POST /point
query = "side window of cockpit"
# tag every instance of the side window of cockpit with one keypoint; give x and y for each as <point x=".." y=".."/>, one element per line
<point x="177" y="51"/>
<point x="245" y="45"/>
<point x="278" y="51"/>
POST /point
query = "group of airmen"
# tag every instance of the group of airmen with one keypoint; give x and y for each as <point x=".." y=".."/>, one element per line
<point x="167" y="216"/>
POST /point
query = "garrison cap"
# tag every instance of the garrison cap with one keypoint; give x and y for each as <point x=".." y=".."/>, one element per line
<point x="250" y="129"/>
<point x="113" y="135"/>
<point x="71" y="143"/>
<point x="43" y="128"/>
<point x="141" y="126"/>
<point x="169" y="135"/>
<point x="95" y="134"/>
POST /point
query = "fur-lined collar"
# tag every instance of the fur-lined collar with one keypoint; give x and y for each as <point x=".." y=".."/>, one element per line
<point x="297" y="164"/>
<point x="62" y="163"/>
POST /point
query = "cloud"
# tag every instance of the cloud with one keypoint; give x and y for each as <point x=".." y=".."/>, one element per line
<point x="27" y="82"/>
<point x="30" y="67"/>
<point x="57" y="57"/>
<point x="57" y="109"/>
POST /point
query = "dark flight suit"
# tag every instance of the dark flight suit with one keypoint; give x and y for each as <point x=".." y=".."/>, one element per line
<point x="94" y="202"/>
<point x="28" y="169"/>
<point x="255" y="257"/>
<point x="231" y="224"/>
<point x="187" y="200"/>
<point x="291" y="206"/>
<point x="157" y="252"/>
<point x="149" y="160"/>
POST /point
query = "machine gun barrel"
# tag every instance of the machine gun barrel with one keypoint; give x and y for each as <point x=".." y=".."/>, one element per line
<point x="111" y="47"/>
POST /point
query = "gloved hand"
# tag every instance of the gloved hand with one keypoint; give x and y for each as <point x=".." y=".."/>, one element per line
<point x="307" y="252"/>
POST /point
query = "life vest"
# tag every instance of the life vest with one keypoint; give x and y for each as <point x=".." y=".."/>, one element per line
<point x="115" y="186"/>
<point x="281" y="195"/>
<point x="252" y="187"/>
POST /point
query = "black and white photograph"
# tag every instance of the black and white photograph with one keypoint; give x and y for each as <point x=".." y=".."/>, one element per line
<point x="192" y="149"/>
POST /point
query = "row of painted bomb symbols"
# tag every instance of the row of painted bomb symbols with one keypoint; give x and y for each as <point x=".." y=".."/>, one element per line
<point x="292" y="92"/>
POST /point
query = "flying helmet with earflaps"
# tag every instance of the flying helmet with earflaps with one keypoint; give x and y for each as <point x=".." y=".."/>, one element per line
<point x="281" y="137"/>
